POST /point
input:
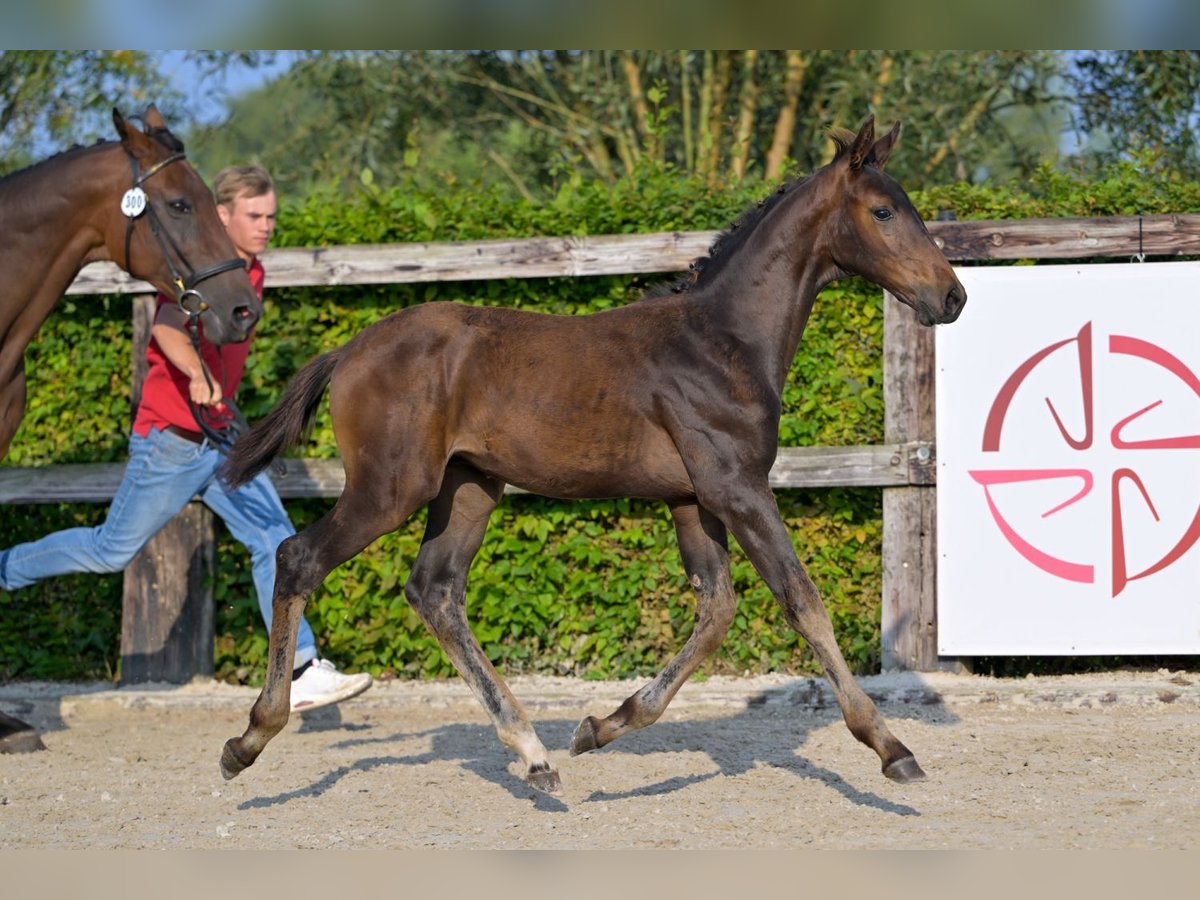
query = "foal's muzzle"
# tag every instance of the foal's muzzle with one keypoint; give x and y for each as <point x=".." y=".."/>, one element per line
<point x="952" y="306"/>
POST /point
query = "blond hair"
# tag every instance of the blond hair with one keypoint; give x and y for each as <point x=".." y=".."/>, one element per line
<point x="234" y="182"/>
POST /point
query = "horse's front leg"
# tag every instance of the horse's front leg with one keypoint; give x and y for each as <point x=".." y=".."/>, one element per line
<point x="18" y="737"/>
<point x="702" y="543"/>
<point x="15" y="736"/>
<point x="753" y="517"/>
<point x="12" y="405"/>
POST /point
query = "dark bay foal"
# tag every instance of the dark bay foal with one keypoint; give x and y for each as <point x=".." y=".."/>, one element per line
<point x="675" y="397"/>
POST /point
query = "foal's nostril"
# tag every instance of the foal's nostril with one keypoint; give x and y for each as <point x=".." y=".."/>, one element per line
<point x="956" y="299"/>
<point x="244" y="313"/>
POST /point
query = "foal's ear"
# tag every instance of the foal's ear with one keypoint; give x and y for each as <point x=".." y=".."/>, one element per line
<point x="879" y="154"/>
<point x="861" y="148"/>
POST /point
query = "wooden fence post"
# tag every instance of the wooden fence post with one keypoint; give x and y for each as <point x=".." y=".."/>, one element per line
<point x="909" y="613"/>
<point x="167" y="604"/>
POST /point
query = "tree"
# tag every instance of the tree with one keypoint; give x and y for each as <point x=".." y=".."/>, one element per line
<point x="534" y="119"/>
<point x="1134" y="101"/>
<point x="725" y="114"/>
<point x="335" y="115"/>
<point x="51" y="98"/>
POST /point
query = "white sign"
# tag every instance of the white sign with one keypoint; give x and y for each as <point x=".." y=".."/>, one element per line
<point x="1068" y="441"/>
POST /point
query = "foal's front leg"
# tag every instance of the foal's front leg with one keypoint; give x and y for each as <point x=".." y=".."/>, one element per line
<point x="753" y="517"/>
<point x="458" y="518"/>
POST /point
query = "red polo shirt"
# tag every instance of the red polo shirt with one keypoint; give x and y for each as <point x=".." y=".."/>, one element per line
<point x="165" y="392"/>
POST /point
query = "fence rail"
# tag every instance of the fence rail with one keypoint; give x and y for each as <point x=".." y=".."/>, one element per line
<point x="662" y="252"/>
<point x="889" y="465"/>
<point x="167" y="621"/>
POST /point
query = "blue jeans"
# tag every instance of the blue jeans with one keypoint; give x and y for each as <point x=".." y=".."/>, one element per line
<point x="164" y="473"/>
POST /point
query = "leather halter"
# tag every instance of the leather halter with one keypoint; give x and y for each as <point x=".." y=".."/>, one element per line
<point x="185" y="285"/>
<point x="219" y="433"/>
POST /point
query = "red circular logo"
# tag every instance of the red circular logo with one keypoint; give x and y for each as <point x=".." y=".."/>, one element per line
<point x="1082" y="440"/>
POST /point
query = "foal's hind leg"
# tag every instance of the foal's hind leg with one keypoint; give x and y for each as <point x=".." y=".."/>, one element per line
<point x="706" y="559"/>
<point x="302" y="562"/>
<point x="458" y="518"/>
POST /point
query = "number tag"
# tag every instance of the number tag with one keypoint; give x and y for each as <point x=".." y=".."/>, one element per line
<point x="133" y="204"/>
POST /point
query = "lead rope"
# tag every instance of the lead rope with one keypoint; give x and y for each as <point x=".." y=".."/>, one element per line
<point x="219" y="431"/>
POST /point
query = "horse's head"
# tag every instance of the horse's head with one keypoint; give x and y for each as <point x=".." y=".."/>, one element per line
<point x="171" y="236"/>
<point x="879" y="235"/>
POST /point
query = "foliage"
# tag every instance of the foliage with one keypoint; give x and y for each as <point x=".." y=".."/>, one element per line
<point x="1139" y="185"/>
<point x="1137" y="101"/>
<point x="591" y="589"/>
<point x="61" y="628"/>
<point x="521" y="118"/>
<point x="58" y="96"/>
<point x="518" y="118"/>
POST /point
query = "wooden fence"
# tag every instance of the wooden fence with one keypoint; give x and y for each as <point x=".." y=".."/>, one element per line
<point x="167" y="615"/>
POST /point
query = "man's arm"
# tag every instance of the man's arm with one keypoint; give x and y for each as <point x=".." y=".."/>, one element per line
<point x="170" y="330"/>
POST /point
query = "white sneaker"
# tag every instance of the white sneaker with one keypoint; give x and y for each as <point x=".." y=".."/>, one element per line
<point x="322" y="684"/>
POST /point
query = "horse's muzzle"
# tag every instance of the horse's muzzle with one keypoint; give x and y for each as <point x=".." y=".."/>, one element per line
<point x="234" y="330"/>
<point x="243" y="321"/>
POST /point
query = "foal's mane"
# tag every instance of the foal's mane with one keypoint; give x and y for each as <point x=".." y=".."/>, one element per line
<point x="704" y="268"/>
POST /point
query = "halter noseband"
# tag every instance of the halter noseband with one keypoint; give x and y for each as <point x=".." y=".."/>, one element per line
<point x="186" y="286"/>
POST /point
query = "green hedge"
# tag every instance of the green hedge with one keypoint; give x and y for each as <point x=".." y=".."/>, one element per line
<point x="591" y="589"/>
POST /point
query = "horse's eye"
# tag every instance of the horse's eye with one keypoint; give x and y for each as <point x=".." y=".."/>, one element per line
<point x="181" y="206"/>
<point x="882" y="214"/>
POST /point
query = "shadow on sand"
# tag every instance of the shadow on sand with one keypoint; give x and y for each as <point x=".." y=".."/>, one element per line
<point x="753" y="736"/>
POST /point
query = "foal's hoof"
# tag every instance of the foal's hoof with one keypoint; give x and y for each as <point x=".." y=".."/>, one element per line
<point x="584" y="738"/>
<point x="231" y="765"/>
<point x="545" y="779"/>
<point x="904" y="770"/>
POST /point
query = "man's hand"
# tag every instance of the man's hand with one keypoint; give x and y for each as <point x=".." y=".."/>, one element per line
<point x="204" y="391"/>
<point x="170" y="330"/>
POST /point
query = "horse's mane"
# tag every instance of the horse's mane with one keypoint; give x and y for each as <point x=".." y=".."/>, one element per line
<point x="704" y="268"/>
<point x="163" y="135"/>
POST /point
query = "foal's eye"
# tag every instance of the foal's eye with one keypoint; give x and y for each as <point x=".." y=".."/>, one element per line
<point x="180" y="206"/>
<point x="882" y="214"/>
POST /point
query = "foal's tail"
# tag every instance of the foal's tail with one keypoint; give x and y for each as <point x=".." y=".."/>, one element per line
<point x="284" y="426"/>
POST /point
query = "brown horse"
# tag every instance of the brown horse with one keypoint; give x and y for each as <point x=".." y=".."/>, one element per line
<point x="61" y="214"/>
<point x="136" y="202"/>
<point x="675" y="397"/>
